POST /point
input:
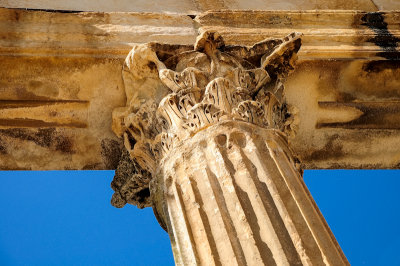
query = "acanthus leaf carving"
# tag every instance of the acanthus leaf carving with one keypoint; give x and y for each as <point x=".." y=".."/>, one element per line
<point x="199" y="86"/>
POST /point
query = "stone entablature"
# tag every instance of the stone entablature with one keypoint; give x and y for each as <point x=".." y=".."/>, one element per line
<point x="61" y="81"/>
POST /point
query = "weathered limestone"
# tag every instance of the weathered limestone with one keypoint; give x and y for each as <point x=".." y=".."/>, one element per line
<point x="234" y="197"/>
<point x="345" y="87"/>
<point x="206" y="131"/>
<point x="60" y="79"/>
<point x="347" y="75"/>
<point x="197" y="6"/>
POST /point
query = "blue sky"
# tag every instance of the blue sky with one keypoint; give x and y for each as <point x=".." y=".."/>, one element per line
<point x="65" y="218"/>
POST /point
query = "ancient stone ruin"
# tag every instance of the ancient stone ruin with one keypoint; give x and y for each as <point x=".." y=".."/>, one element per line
<point x="209" y="112"/>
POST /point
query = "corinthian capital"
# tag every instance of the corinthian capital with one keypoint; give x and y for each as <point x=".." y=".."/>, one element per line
<point x="175" y="91"/>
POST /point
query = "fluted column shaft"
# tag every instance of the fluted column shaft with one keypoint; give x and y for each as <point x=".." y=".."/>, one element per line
<point x="234" y="197"/>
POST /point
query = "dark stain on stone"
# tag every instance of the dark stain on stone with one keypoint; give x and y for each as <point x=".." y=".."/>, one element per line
<point x="63" y="144"/>
<point x="51" y="10"/>
<point x="14" y="168"/>
<point x="383" y="38"/>
<point x="8" y="104"/>
<point x="3" y="149"/>
<point x="345" y="97"/>
<point x="35" y="84"/>
<point x="16" y="13"/>
<point x="111" y="153"/>
<point x="342" y="165"/>
<point x="93" y="166"/>
<point x="332" y="150"/>
<point x="376" y="115"/>
<point x="378" y="66"/>
<point x="23" y="94"/>
<point x="43" y="137"/>
<point x="152" y="66"/>
<point x="35" y="123"/>
<point x="280" y="20"/>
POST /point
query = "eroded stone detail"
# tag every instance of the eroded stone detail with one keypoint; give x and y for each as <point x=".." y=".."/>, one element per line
<point x="175" y="91"/>
<point x="205" y="129"/>
<point x="130" y="184"/>
<point x="235" y="197"/>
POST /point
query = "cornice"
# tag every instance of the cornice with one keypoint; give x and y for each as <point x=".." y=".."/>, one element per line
<point x="333" y="34"/>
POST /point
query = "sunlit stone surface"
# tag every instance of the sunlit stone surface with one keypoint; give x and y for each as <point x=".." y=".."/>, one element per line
<point x="213" y="148"/>
<point x="213" y="136"/>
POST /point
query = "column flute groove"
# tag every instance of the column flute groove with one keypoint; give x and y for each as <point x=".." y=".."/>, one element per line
<point x="269" y="247"/>
<point x="225" y="175"/>
<point x="206" y="239"/>
<point x="321" y="231"/>
<point x="230" y="228"/>
<point x="292" y="216"/>
<point x="272" y="211"/>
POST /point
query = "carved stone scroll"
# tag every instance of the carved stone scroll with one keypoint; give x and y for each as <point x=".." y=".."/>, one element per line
<point x="205" y="129"/>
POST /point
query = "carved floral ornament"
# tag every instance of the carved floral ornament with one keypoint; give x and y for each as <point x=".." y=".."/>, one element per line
<point x="174" y="91"/>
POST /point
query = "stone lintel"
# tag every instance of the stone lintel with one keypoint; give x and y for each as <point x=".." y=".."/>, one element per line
<point x="61" y="78"/>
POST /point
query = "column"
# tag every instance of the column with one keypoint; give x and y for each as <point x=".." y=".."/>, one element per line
<point x="207" y="128"/>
